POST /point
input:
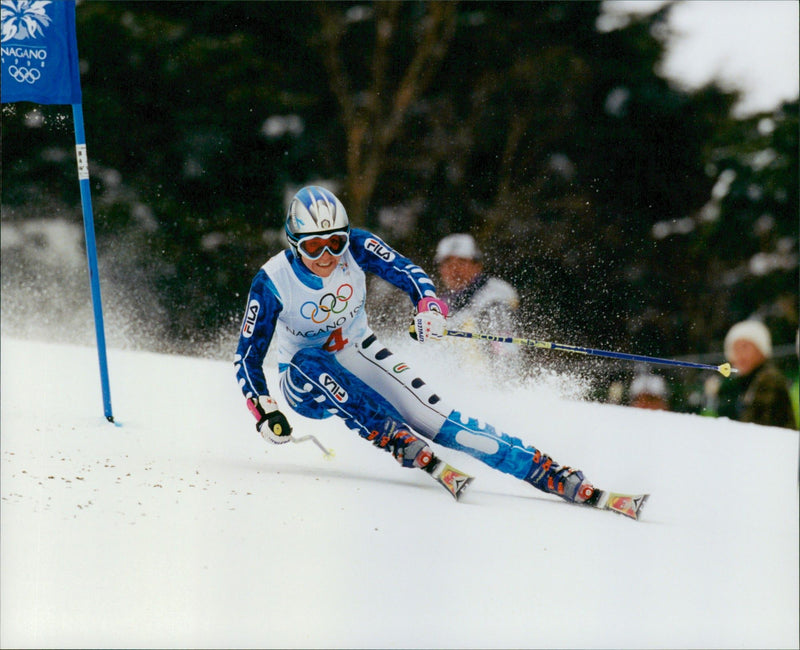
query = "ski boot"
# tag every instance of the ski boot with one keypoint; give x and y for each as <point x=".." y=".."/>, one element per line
<point x="409" y="450"/>
<point x="566" y="482"/>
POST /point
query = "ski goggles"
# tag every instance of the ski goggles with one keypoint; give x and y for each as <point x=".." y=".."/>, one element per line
<point x="313" y="246"/>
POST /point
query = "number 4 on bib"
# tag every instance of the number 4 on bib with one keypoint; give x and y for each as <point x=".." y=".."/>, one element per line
<point x="335" y="341"/>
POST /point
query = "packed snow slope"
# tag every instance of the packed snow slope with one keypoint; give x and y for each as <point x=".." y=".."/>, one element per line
<point x="183" y="528"/>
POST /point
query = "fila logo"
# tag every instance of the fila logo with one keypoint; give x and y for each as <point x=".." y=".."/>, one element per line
<point x="250" y="318"/>
<point x="376" y="248"/>
<point x="333" y="387"/>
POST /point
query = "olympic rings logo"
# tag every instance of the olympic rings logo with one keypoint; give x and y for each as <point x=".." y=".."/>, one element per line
<point x="328" y="304"/>
<point x="29" y="75"/>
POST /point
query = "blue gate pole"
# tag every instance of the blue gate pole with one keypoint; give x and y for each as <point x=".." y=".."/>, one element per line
<point x="91" y="254"/>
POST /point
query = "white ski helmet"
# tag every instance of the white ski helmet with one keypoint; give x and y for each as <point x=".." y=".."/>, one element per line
<point x="315" y="211"/>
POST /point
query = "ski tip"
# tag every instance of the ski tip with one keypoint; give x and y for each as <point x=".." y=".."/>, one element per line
<point x="464" y="485"/>
<point x="640" y="507"/>
<point x="453" y="480"/>
<point x="629" y="505"/>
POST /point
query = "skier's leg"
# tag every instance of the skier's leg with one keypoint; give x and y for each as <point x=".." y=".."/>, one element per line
<point x="510" y="455"/>
<point x="431" y="416"/>
<point x="317" y="386"/>
<point x="397" y="382"/>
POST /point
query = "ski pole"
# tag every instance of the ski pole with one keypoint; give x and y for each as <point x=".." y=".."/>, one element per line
<point x="725" y="369"/>
<point x="328" y="452"/>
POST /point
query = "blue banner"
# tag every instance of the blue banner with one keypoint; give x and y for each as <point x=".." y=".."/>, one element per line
<point x="39" y="52"/>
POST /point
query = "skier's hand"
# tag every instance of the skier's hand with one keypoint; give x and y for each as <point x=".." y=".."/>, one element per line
<point x="272" y="424"/>
<point x="430" y="321"/>
<point x="276" y="428"/>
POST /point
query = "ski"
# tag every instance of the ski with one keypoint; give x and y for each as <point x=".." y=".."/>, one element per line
<point x="629" y="505"/>
<point x="451" y="479"/>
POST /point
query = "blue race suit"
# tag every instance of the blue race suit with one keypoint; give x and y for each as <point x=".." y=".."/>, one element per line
<point x="331" y="363"/>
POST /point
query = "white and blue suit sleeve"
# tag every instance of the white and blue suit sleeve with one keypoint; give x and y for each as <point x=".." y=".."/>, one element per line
<point x="263" y="307"/>
<point x="376" y="256"/>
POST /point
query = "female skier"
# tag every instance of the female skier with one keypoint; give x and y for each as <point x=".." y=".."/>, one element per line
<point x="310" y="300"/>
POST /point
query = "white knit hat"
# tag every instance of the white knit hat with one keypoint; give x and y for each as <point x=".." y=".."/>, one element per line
<point x="749" y="330"/>
<point x="458" y="245"/>
<point x="646" y="384"/>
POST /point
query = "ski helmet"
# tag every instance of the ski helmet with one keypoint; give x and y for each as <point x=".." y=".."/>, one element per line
<point x="315" y="211"/>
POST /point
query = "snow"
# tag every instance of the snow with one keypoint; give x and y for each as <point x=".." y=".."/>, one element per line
<point x="183" y="528"/>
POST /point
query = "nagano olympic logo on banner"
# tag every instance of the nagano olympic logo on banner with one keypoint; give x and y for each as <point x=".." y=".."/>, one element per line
<point x="329" y="304"/>
<point x="24" y="20"/>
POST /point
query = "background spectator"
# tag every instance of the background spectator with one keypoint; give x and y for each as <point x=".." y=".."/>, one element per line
<point x="649" y="391"/>
<point x="478" y="302"/>
<point x="759" y="392"/>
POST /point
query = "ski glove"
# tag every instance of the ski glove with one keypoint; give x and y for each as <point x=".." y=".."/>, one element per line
<point x="272" y="424"/>
<point x="430" y="321"/>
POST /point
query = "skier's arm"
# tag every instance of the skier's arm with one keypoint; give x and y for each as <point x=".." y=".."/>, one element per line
<point x="263" y="307"/>
<point x="374" y="255"/>
<point x="258" y="327"/>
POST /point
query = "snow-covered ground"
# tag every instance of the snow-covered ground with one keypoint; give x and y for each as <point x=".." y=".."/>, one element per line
<point x="183" y="528"/>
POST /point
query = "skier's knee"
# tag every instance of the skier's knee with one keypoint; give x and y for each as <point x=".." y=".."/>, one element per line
<point x="303" y="396"/>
